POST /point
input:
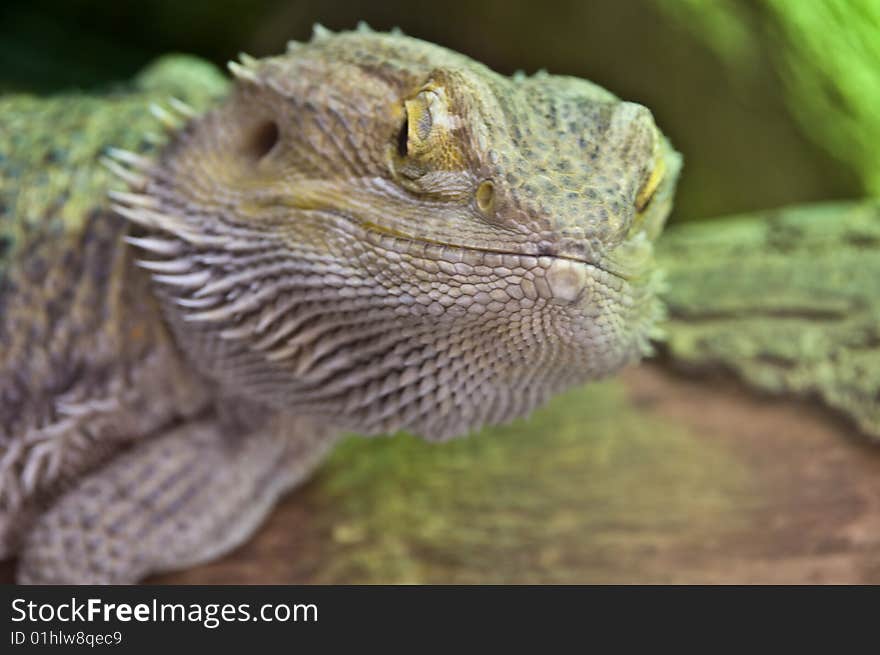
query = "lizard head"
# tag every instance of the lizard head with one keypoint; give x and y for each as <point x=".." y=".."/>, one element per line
<point x="388" y="235"/>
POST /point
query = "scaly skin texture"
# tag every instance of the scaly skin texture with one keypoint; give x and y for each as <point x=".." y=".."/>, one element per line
<point x="369" y="233"/>
<point x="86" y="365"/>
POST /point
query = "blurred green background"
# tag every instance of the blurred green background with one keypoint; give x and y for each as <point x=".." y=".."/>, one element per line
<point x="771" y="102"/>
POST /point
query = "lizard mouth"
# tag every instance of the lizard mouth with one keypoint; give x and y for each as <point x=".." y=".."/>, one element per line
<point x="626" y="266"/>
<point x="553" y="278"/>
<point x="556" y="278"/>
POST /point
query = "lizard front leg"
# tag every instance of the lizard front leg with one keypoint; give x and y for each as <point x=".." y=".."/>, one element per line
<point x="182" y="498"/>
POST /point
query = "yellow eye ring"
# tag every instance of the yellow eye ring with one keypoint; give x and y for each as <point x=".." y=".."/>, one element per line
<point x="646" y="193"/>
<point x="485" y="196"/>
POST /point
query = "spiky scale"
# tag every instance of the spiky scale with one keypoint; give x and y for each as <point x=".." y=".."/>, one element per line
<point x="320" y="32"/>
<point x="168" y="120"/>
<point x="242" y="72"/>
<point x="132" y="179"/>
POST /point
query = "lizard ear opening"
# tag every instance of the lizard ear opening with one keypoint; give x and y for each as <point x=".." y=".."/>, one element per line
<point x="261" y="140"/>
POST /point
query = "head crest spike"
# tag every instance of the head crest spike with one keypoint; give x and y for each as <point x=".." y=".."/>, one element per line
<point x="320" y="32"/>
<point x="242" y="72"/>
<point x="248" y="61"/>
<point x="364" y="28"/>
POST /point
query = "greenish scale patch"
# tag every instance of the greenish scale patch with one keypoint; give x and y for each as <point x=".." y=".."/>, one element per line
<point x="576" y="493"/>
<point x="50" y="148"/>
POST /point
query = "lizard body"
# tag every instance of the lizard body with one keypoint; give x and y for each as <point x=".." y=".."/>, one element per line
<point x="368" y="233"/>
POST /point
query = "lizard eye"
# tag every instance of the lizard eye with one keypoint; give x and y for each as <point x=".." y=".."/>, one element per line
<point x="646" y="193"/>
<point x="418" y="134"/>
<point x="424" y="152"/>
<point x="416" y="143"/>
<point x="649" y="188"/>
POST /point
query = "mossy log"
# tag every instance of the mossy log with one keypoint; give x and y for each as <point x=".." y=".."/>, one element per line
<point x="788" y="300"/>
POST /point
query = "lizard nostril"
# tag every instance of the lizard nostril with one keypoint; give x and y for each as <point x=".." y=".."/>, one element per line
<point x="261" y="140"/>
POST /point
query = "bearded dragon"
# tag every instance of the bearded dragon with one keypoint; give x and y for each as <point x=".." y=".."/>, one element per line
<point x="367" y="233"/>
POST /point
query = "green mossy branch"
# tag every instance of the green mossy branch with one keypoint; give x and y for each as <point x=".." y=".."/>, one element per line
<point x="789" y="300"/>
